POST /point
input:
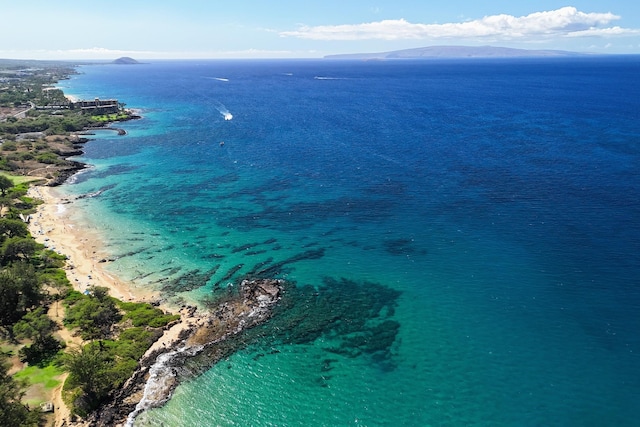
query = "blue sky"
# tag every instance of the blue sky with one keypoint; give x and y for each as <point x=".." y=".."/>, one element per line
<point x="161" y="29"/>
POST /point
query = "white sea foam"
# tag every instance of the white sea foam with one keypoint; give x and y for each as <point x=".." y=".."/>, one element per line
<point x="73" y="178"/>
<point x="220" y="79"/>
<point x="162" y="378"/>
<point x="223" y="110"/>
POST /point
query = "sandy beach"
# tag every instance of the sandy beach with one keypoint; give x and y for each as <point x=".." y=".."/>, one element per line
<point x="52" y="226"/>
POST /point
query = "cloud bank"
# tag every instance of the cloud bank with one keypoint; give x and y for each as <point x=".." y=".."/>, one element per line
<point x="100" y="53"/>
<point x="565" y="22"/>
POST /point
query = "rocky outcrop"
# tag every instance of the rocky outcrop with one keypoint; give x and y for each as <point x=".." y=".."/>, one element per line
<point x="66" y="173"/>
<point x="161" y="368"/>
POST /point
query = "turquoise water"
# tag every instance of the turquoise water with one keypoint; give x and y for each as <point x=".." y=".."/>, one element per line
<point x="473" y="227"/>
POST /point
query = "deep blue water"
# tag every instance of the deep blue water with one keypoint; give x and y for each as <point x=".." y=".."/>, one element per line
<point x="501" y="199"/>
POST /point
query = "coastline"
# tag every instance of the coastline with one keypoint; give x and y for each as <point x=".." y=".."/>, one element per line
<point x="157" y="375"/>
<point x="58" y="224"/>
<point x="53" y="227"/>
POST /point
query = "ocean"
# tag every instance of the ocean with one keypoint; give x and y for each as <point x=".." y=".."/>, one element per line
<point x="461" y="237"/>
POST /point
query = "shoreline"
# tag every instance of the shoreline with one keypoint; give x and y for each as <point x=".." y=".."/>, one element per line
<point x="56" y="226"/>
<point x="156" y="377"/>
<point x="52" y="226"/>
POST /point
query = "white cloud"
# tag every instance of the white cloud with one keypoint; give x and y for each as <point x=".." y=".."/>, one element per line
<point x="99" y="53"/>
<point x="567" y="21"/>
<point x="71" y="54"/>
<point x="603" y="32"/>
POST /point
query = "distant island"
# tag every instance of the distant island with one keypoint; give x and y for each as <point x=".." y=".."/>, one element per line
<point x="125" y="60"/>
<point x="442" y="52"/>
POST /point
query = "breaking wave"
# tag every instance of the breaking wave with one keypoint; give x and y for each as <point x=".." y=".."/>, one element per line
<point x="162" y="380"/>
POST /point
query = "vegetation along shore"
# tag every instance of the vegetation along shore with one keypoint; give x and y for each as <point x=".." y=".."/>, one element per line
<point x="78" y="346"/>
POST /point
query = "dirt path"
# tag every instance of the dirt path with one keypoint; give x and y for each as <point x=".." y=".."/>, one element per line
<point x="62" y="414"/>
<point x="56" y="313"/>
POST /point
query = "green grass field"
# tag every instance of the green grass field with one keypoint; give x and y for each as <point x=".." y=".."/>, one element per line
<point x="45" y="376"/>
<point x="18" y="179"/>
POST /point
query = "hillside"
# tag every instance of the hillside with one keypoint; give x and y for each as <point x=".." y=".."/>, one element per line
<point x="441" y="52"/>
<point x="125" y="60"/>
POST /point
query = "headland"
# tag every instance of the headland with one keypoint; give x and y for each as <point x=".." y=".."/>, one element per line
<point x="39" y="122"/>
<point x="158" y="372"/>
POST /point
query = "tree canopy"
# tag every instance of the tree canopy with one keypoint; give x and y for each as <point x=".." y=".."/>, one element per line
<point x="38" y="327"/>
<point x="18" y="248"/>
<point x="12" y="411"/>
<point x="19" y="292"/>
<point x="93" y="314"/>
<point x="12" y="228"/>
<point x="5" y="184"/>
<point x="88" y="369"/>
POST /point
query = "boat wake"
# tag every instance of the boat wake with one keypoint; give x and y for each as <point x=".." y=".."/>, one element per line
<point x="223" y="111"/>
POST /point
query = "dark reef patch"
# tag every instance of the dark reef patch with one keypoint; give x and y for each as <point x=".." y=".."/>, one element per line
<point x="253" y="253"/>
<point x="252" y="245"/>
<point x="244" y="247"/>
<point x="228" y="275"/>
<point x="387" y="188"/>
<point x="277" y="268"/>
<point x="354" y="319"/>
<point x="259" y="266"/>
<point x="212" y="256"/>
<point x="403" y="246"/>
<point x="132" y="253"/>
<point x="189" y="281"/>
<point x="296" y="216"/>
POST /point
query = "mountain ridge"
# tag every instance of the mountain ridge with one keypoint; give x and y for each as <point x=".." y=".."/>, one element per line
<point x="435" y="52"/>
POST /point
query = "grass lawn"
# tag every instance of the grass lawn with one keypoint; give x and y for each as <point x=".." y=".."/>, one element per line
<point x="45" y="376"/>
<point x="110" y="117"/>
<point x="19" y="179"/>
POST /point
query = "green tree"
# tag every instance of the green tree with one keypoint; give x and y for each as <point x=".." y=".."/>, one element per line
<point x="13" y="228"/>
<point x="9" y="302"/>
<point x="19" y="292"/>
<point x="37" y="326"/>
<point x="9" y="146"/>
<point x="12" y="411"/>
<point x="30" y="289"/>
<point x="18" y="248"/>
<point x="94" y="314"/>
<point x="5" y="184"/>
<point x="88" y="368"/>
